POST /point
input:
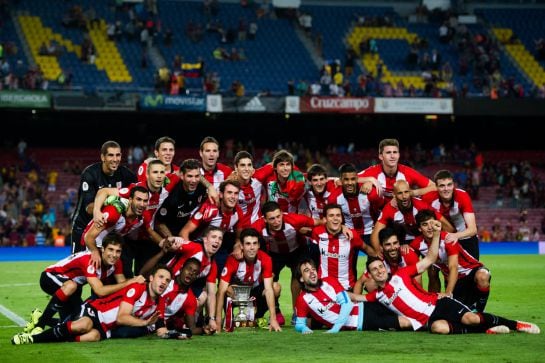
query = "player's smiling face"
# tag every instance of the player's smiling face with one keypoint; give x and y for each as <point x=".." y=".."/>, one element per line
<point x="139" y="203"/>
<point x="334" y="220"/>
<point x="111" y="254"/>
<point x="229" y="196"/>
<point x="283" y="169"/>
<point x="318" y="183"/>
<point x="166" y="152"/>
<point x="445" y="188"/>
<point x="309" y="275"/>
<point x="191" y="179"/>
<point x="250" y="246"/>
<point x="378" y="271"/>
<point x="391" y="248"/>
<point x="349" y="183"/>
<point x="111" y="160"/>
<point x="245" y="169"/>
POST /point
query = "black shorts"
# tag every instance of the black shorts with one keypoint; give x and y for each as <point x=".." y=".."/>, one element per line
<point x="90" y="312"/>
<point x="281" y="260"/>
<point x="471" y="245"/>
<point x="377" y="317"/>
<point x="466" y="290"/>
<point x="198" y="286"/>
<point x="50" y="283"/>
<point x="448" y="309"/>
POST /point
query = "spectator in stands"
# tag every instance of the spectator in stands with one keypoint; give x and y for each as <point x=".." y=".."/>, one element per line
<point x="535" y="235"/>
<point x="252" y="30"/>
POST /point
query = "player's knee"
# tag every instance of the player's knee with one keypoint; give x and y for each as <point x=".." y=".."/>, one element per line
<point x="440" y="327"/>
<point x="482" y="278"/>
<point x="69" y="287"/>
<point x="82" y="325"/>
<point x="470" y="318"/>
<point x="94" y="335"/>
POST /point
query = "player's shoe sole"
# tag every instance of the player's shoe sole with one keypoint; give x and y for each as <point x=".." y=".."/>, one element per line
<point x="22" y="338"/>
<point x="500" y="329"/>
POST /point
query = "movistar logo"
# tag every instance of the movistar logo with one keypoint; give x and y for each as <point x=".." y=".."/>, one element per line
<point x="153" y="100"/>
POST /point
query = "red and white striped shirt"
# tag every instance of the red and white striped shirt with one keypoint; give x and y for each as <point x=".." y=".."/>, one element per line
<point x="136" y="294"/>
<point x="454" y="213"/>
<point x="466" y="262"/>
<point x="406" y="218"/>
<point x="358" y="210"/>
<point x="338" y="255"/>
<point x="249" y="199"/>
<point x="404" y="296"/>
<point x="175" y="301"/>
<point x="217" y="175"/>
<point x="247" y="273"/>
<point x="115" y="222"/>
<point x="413" y="177"/>
<point x="288" y="239"/>
<point x="322" y="305"/>
<point x="77" y="268"/>
<point x="196" y="250"/>
<point x="316" y="202"/>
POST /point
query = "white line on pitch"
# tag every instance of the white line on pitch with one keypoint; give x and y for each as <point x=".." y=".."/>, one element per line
<point x="18" y="285"/>
<point x="12" y="316"/>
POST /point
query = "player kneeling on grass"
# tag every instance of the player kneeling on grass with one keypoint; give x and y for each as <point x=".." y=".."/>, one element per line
<point x="135" y="305"/>
<point x="327" y="303"/>
<point x="438" y="313"/>
<point x="254" y="269"/>
<point x="65" y="279"/>
<point x="178" y="304"/>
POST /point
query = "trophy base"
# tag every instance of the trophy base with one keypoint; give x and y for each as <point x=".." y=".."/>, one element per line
<point x="245" y="324"/>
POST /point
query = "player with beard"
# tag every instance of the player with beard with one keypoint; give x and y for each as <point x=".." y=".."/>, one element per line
<point x="404" y="212"/>
<point x="135" y="305"/>
<point x="325" y="301"/>
<point x="428" y="310"/>
<point x="394" y="256"/>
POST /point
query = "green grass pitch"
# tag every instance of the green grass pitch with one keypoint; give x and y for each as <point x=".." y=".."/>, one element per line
<point x="518" y="292"/>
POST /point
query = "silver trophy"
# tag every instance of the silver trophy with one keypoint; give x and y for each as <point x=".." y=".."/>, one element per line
<point x="244" y="317"/>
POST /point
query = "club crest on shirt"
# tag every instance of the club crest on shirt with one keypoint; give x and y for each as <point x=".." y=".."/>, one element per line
<point x="90" y="269"/>
<point x="131" y="292"/>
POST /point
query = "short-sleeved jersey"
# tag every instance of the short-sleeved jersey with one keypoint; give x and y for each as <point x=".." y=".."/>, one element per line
<point x="406" y="218"/>
<point x="358" y="210"/>
<point x="115" y="222"/>
<point x="217" y="175"/>
<point x="322" y="305"/>
<point x="155" y="198"/>
<point x="178" y="207"/>
<point x="404" y="296"/>
<point x="249" y="199"/>
<point x="460" y="204"/>
<point x="176" y="301"/>
<point x="466" y="262"/>
<point x="413" y="177"/>
<point x="250" y="273"/>
<point x="338" y="255"/>
<point x="316" y="202"/>
<point x="196" y="250"/>
<point x="77" y="268"/>
<point x="93" y="179"/>
<point x="210" y="215"/>
<point x="135" y="294"/>
<point x="288" y="239"/>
